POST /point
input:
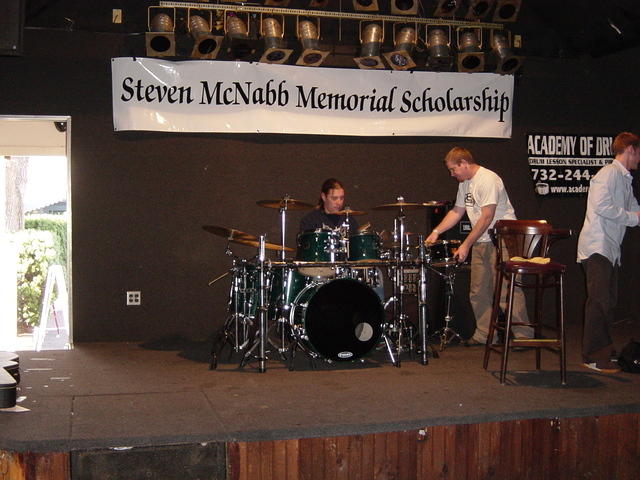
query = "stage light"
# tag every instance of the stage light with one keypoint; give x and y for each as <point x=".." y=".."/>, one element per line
<point x="507" y="10"/>
<point x="272" y="30"/>
<point x="161" y="38"/>
<point x="405" y="42"/>
<point x="506" y="61"/>
<point x="365" y="5"/>
<point x="439" y="49"/>
<point x="236" y="27"/>
<point x="478" y="9"/>
<point x="470" y="55"/>
<point x="318" y="3"/>
<point x="404" y="7"/>
<point x="205" y="45"/>
<point x="371" y="38"/>
<point x="276" y="3"/>
<point x="308" y="34"/>
<point x="446" y="8"/>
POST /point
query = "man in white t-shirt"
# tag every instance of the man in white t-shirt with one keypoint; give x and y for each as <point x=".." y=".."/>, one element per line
<point x="482" y="196"/>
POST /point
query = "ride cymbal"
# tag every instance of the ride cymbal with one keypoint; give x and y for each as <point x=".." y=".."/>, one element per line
<point x="228" y="233"/>
<point x="286" y="203"/>
<point x="399" y="205"/>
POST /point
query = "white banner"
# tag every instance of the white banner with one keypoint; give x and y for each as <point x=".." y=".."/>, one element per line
<point x="241" y="97"/>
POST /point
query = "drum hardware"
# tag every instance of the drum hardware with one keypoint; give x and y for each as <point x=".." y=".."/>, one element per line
<point x="237" y="328"/>
<point x="260" y="341"/>
<point x="447" y="334"/>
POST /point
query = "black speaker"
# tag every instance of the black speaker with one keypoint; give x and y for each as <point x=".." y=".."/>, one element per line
<point x="11" y="26"/>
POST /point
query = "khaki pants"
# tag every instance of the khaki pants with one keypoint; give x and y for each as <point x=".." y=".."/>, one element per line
<point x="483" y="279"/>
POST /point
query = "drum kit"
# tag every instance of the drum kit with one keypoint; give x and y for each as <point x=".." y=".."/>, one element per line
<point x="328" y="301"/>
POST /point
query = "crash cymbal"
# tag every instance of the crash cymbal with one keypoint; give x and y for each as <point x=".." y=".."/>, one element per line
<point x="399" y="205"/>
<point x="267" y="246"/>
<point x="348" y="211"/>
<point x="286" y="203"/>
<point x="228" y="233"/>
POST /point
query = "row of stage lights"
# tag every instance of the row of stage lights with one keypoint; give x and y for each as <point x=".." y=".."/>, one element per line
<point x="238" y="32"/>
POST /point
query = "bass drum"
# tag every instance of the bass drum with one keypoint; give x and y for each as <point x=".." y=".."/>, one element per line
<point x="340" y="320"/>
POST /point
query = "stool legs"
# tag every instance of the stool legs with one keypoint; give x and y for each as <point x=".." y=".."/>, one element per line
<point x="550" y="280"/>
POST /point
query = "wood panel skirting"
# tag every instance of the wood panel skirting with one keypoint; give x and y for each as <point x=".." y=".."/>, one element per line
<point x="606" y="447"/>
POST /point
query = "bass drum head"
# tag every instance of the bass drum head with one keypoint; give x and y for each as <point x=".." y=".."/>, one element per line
<point x="343" y="320"/>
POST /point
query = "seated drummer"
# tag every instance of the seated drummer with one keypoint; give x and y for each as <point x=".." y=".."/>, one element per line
<point x="326" y="213"/>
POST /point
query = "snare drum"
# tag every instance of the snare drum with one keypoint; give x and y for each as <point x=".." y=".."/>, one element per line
<point x="442" y="253"/>
<point x="319" y="246"/>
<point x="340" y="320"/>
<point x="364" y="246"/>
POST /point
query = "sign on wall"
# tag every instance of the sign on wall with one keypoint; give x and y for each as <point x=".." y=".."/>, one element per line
<point x="241" y="97"/>
<point x="563" y="165"/>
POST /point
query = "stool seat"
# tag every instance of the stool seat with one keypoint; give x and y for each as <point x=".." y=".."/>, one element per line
<point x="523" y="239"/>
<point x="530" y="268"/>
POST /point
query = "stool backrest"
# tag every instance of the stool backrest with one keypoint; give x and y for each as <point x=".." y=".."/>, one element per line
<point x="521" y="238"/>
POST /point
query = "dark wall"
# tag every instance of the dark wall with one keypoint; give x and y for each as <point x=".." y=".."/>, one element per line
<point x="140" y="199"/>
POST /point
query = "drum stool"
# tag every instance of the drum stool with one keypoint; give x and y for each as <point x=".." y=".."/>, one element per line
<point x="525" y="238"/>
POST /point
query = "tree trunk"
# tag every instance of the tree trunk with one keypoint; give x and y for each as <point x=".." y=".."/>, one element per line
<point x="15" y="185"/>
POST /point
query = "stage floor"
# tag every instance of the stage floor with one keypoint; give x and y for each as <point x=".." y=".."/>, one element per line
<point x="117" y="395"/>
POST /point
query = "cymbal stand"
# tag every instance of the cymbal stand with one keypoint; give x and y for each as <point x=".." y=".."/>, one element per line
<point x="397" y="325"/>
<point x="446" y="333"/>
<point x="260" y="341"/>
<point x="423" y="312"/>
<point x="280" y="307"/>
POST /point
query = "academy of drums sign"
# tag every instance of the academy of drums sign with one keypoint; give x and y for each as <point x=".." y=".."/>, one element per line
<point x="563" y="165"/>
<point x="240" y="97"/>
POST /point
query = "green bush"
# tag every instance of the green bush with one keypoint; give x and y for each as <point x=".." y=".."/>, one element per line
<point x="57" y="225"/>
<point x="35" y="253"/>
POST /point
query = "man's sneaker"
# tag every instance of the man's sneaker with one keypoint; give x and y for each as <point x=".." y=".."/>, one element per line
<point x="472" y="342"/>
<point x="602" y="366"/>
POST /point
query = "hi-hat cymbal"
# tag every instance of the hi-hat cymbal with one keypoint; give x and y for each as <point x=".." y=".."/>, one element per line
<point x="348" y="211"/>
<point x="399" y="205"/>
<point x="433" y="203"/>
<point x="267" y="246"/>
<point x="228" y="233"/>
<point x="286" y="203"/>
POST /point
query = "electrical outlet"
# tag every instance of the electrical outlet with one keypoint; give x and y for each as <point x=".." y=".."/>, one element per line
<point x="134" y="297"/>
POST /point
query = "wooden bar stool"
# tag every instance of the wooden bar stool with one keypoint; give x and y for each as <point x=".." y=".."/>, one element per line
<point x="526" y="239"/>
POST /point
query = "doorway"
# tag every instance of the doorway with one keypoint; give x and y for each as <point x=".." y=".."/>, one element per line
<point x="35" y="233"/>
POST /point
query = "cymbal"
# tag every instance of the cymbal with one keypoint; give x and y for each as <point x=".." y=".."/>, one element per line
<point x="433" y="203"/>
<point x="364" y="228"/>
<point x="267" y="246"/>
<point x="287" y="204"/>
<point x="348" y="211"/>
<point x="399" y="205"/>
<point x="228" y="233"/>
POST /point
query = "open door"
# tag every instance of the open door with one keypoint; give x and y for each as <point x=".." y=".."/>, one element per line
<point x="35" y="233"/>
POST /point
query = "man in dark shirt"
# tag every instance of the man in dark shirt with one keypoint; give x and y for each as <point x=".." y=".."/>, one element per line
<point x="325" y="214"/>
